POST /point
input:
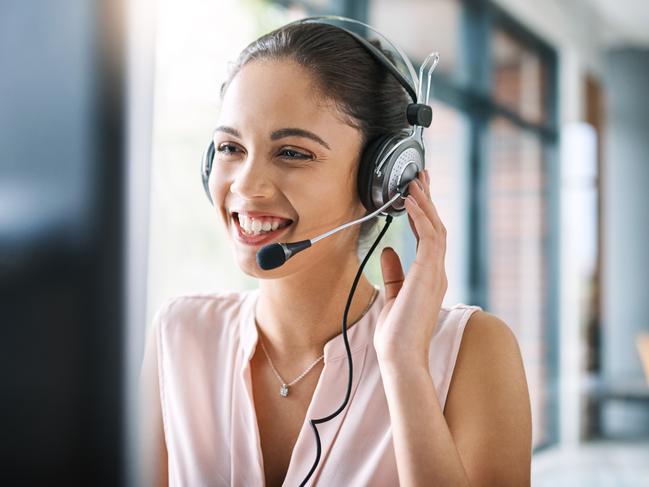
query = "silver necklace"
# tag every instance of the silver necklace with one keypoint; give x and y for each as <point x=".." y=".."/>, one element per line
<point x="283" y="390"/>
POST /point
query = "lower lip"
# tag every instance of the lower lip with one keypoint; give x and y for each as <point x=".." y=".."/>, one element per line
<point x="257" y="240"/>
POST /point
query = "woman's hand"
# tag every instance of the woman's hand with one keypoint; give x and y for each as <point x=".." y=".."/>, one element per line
<point x="407" y="321"/>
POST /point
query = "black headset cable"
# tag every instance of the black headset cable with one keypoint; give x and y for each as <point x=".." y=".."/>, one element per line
<point x="388" y="220"/>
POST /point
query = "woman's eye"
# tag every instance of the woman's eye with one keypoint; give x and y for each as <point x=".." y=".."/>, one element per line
<point x="293" y="154"/>
<point x="227" y="149"/>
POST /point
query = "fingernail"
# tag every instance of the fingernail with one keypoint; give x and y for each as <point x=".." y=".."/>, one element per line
<point x="418" y="184"/>
<point x="427" y="176"/>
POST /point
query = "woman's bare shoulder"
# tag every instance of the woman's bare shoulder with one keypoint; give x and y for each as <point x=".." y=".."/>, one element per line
<point x="489" y="354"/>
<point x="483" y="326"/>
<point x="488" y="405"/>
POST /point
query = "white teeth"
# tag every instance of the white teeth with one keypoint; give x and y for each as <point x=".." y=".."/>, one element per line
<point x="251" y="226"/>
<point x="246" y="224"/>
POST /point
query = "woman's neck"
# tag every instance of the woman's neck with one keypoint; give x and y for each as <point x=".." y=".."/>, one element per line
<point x="300" y="313"/>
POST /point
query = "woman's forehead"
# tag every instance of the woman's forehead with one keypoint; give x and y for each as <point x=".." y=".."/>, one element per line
<point x="280" y="93"/>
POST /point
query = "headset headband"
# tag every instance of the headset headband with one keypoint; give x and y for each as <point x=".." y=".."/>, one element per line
<point x="418" y="112"/>
<point x="334" y="20"/>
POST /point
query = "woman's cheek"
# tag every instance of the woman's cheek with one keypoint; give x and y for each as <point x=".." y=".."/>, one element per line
<point x="218" y="186"/>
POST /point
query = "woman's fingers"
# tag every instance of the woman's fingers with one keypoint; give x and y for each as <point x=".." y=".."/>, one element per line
<point x="425" y="202"/>
<point x="392" y="272"/>
<point x="423" y="226"/>
<point x="430" y="229"/>
<point x="410" y="221"/>
<point x="428" y="266"/>
<point x="412" y="227"/>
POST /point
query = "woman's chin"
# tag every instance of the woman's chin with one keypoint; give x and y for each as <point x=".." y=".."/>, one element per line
<point x="247" y="262"/>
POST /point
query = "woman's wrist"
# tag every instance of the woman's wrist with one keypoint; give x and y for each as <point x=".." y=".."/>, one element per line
<point x="398" y="368"/>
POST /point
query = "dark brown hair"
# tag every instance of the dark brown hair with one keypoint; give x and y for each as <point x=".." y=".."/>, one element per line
<point x="345" y="74"/>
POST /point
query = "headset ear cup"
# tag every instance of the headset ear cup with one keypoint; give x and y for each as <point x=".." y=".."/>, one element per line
<point x="370" y="158"/>
<point x="401" y="167"/>
<point x="401" y="157"/>
<point x="206" y="169"/>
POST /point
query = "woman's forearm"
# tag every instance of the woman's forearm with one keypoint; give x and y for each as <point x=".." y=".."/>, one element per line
<point x="424" y="447"/>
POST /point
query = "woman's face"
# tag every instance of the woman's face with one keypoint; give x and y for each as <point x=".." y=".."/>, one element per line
<point x="285" y="167"/>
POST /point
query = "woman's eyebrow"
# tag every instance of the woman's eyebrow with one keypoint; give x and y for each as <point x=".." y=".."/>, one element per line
<point x="292" y="131"/>
<point x="278" y="134"/>
<point x="227" y="130"/>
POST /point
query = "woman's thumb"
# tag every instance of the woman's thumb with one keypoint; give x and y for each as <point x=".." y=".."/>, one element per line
<point x="392" y="272"/>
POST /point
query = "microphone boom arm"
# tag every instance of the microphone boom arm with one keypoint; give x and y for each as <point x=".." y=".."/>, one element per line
<point x="274" y="255"/>
<point x="354" y="222"/>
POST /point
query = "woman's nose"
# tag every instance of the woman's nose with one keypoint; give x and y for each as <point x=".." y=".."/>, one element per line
<point x="252" y="179"/>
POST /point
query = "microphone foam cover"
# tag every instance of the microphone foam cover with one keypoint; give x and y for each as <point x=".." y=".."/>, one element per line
<point x="271" y="256"/>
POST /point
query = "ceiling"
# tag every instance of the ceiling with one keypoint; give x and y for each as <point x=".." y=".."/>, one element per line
<point x="628" y="20"/>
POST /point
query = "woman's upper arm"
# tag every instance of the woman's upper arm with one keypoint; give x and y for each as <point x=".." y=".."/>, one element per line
<point x="488" y="405"/>
<point x="153" y="449"/>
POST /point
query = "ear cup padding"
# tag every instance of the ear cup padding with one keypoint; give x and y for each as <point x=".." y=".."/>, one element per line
<point x="369" y="160"/>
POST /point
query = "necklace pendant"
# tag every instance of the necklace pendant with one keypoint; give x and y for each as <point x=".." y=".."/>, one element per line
<point x="283" y="390"/>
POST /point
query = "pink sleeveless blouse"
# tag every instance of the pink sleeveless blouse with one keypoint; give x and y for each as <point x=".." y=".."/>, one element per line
<point x="205" y="343"/>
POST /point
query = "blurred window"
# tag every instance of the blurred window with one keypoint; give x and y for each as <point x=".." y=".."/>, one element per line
<point x="518" y="77"/>
<point x="517" y="259"/>
<point x="437" y="25"/>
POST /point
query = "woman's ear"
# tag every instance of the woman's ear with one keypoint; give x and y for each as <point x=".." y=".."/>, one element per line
<point x="360" y="209"/>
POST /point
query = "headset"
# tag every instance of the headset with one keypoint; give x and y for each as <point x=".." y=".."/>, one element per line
<point x="388" y="163"/>
<point x="392" y="160"/>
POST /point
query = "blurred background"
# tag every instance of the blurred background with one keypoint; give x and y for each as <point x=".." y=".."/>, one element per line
<point x="539" y="161"/>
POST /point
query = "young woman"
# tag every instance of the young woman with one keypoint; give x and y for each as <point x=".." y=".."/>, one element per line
<point x="230" y="380"/>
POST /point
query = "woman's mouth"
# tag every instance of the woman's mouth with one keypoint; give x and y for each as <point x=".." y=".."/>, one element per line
<point x="260" y="229"/>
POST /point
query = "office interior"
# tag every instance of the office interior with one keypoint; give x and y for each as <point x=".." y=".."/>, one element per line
<point x="539" y="167"/>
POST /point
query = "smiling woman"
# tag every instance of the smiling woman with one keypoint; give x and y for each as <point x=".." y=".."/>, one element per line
<point x="283" y="172"/>
<point x="300" y="108"/>
<point x="328" y="86"/>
